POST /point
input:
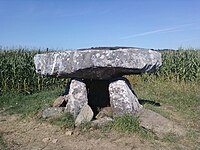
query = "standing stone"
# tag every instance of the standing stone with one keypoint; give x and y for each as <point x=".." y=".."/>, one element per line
<point x="77" y="97"/>
<point x="122" y="98"/>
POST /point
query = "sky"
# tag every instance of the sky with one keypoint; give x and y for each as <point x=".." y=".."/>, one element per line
<point x="73" y="24"/>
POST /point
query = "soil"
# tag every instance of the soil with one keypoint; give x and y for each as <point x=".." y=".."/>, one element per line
<point x="31" y="134"/>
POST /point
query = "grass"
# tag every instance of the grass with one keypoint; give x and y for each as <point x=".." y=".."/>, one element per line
<point x="3" y="145"/>
<point x="27" y="105"/>
<point x="184" y="97"/>
<point x="126" y="124"/>
<point x="85" y="126"/>
<point x="170" y="137"/>
<point x="192" y="135"/>
<point x="130" y="124"/>
<point x="64" y="121"/>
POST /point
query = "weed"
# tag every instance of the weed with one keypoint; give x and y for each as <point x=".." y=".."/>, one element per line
<point x="147" y="134"/>
<point x="85" y="126"/>
<point x="126" y="123"/>
<point x="3" y="145"/>
<point x="64" y="121"/>
<point x="106" y="128"/>
<point x="170" y="137"/>
<point x="192" y="135"/>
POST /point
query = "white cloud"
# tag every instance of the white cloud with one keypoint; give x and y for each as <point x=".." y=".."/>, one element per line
<point x="163" y="30"/>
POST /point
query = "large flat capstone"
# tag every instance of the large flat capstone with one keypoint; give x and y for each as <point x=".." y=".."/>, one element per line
<point x="97" y="63"/>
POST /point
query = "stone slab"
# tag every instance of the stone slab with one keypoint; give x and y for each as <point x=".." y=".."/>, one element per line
<point x="97" y="63"/>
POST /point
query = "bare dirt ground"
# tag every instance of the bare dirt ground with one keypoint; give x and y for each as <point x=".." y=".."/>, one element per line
<point x="30" y="134"/>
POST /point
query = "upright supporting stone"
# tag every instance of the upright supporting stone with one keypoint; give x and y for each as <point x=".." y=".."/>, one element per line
<point x="122" y="98"/>
<point x="77" y="97"/>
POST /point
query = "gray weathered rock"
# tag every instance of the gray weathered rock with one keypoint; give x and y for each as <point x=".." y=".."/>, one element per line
<point x="52" y="112"/>
<point x="122" y="98"/>
<point x="77" y="97"/>
<point x="97" y="63"/>
<point x="159" y="124"/>
<point x="86" y="114"/>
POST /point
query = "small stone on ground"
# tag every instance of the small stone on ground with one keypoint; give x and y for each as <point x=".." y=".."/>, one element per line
<point x="68" y="132"/>
<point x="45" y="140"/>
<point x="86" y="114"/>
<point x="59" y="102"/>
<point x="54" y="141"/>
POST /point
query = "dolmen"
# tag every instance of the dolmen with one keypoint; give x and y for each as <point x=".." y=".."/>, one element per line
<point x="97" y="76"/>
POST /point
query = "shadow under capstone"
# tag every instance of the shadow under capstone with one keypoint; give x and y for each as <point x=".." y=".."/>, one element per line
<point x="98" y="94"/>
<point x="144" y="101"/>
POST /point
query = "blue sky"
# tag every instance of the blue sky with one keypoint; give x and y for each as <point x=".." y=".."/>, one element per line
<point x="72" y="24"/>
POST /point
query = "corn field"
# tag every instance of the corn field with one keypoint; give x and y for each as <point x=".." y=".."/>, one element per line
<point x="17" y="72"/>
<point x="181" y="65"/>
<point x="178" y="65"/>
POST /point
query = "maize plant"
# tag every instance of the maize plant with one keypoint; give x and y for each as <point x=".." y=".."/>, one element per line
<point x="17" y="73"/>
<point x="180" y="65"/>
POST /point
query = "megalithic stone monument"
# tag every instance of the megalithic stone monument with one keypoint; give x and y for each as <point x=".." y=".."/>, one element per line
<point x="99" y="72"/>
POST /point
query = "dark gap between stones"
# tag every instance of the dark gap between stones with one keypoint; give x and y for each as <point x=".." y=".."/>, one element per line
<point x="98" y="94"/>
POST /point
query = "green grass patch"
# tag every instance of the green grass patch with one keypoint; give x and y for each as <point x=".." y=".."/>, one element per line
<point x="130" y="124"/>
<point x="126" y="124"/>
<point x="192" y="135"/>
<point x="106" y="128"/>
<point x="85" y="126"/>
<point x="183" y="96"/>
<point x="27" y="105"/>
<point x="64" y="121"/>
